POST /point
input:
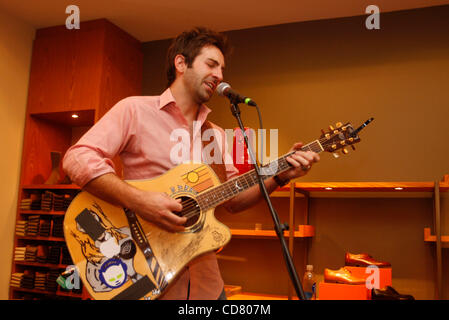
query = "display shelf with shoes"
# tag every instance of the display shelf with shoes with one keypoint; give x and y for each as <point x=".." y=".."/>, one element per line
<point x="356" y="279"/>
<point x="342" y="284"/>
<point x="358" y="191"/>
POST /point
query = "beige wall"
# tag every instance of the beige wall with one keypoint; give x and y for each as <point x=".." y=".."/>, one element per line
<point x="16" y="40"/>
<point x="306" y="76"/>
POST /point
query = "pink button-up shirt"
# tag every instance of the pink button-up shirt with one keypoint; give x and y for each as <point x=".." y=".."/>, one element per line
<point x="141" y="130"/>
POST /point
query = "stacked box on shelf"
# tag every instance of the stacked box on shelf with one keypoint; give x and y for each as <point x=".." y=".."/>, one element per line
<point x="27" y="280"/>
<point x="61" y="202"/>
<point x="16" y="279"/>
<point x="51" y="284"/>
<point x="47" y="201"/>
<point x="19" y="253"/>
<point x="66" y="257"/>
<point x="42" y="254"/>
<point x="58" y="227"/>
<point x="40" y="280"/>
<point x="54" y="255"/>
<point x="30" y="253"/>
<point x="21" y="227"/>
<point x="45" y="226"/>
<point x="32" y="229"/>
<point x="31" y="203"/>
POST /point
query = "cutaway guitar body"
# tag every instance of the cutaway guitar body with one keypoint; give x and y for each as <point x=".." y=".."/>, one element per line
<point x="121" y="256"/>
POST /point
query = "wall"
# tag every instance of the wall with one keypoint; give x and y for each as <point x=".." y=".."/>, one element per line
<point x="16" y="39"/>
<point x="308" y="75"/>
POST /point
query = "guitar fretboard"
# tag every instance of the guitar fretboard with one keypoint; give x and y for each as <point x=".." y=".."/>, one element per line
<point x="219" y="194"/>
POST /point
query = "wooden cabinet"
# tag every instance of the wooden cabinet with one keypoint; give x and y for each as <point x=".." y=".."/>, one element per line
<point x="86" y="69"/>
<point x="83" y="72"/>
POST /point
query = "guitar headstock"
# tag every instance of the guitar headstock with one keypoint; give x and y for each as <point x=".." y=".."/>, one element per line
<point x="339" y="137"/>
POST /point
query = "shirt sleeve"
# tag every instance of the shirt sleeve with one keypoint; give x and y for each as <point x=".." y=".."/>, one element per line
<point x="92" y="155"/>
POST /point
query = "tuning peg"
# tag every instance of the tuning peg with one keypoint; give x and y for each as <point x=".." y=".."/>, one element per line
<point x="338" y="124"/>
<point x="342" y="143"/>
<point x="334" y="146"/>
<point x="326" y="135"/>
<point x="336" y="155"/>
<point x="331" y="128"/>
<point x="345" y="151"/>
<point x="352" y="146"/>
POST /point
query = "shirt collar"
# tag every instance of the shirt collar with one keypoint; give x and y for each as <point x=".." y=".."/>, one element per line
<point x="167" y="98"/>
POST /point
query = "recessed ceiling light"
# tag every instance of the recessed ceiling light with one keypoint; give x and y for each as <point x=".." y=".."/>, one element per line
<point x="74" y="116"/>
<point x="398" y="188"/>
<point x="328" y="188"/>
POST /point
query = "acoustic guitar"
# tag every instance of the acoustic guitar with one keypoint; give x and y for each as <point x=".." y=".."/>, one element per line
<point x="119" y="255"/>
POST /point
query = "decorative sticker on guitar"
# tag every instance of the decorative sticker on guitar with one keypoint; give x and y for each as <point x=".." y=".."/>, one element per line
<point x="198" y="179"/>
<point x="110" y="257"/>
<point x="113" y="273"/>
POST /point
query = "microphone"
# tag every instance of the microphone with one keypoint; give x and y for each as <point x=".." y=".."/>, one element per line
<point x="225" y="90"/>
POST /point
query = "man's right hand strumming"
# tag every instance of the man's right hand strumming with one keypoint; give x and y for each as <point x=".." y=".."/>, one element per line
<point x="155" y="207"/>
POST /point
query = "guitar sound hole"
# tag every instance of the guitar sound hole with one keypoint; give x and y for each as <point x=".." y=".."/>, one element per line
<point x="190" y="210"/>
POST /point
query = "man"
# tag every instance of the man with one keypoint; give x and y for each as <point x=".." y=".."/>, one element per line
<point x="139" y="129"/>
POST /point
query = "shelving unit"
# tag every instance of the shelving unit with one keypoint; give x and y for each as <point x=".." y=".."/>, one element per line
<point x="83" y="71"/>
<point x="381" y="190"/>
<point x="305" y="231"/>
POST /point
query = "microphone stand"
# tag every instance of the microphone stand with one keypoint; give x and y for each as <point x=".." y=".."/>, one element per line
<point x="279" y="228"/>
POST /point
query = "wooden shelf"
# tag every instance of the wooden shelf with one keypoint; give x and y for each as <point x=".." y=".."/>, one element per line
<point x="51" y="187"/>
<point x="38" y="238"/>
<point x="41" y="212"/>
<point x="85" y="118"/>
<point x="429" y="237"/>
<point x="304" y="231"/>
<point x="52" y="293"/>
<point x="365" y="189"/>
<point x="44" y="265"/>
<point x="258" y="296"/>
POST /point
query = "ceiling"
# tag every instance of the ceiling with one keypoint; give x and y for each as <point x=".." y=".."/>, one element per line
<point x="149" y="20"/>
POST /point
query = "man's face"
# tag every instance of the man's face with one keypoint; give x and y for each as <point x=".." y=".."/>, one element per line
<point x="206" y="72"/>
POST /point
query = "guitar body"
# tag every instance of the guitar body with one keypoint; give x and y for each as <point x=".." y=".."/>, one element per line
<point x="121" y="256"/>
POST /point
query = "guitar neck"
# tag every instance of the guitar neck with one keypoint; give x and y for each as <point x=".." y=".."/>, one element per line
<point x="229" y="189"/>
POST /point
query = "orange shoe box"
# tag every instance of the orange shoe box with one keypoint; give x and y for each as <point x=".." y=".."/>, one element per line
<point x="383" y="280"/>
<point x="337" y="291"/>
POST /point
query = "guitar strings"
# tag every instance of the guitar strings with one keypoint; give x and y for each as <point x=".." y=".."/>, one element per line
<point x="192" y="208"/>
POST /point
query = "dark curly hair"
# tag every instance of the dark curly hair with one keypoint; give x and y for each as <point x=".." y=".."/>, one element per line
<point x="189" y="44"/>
